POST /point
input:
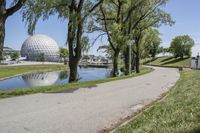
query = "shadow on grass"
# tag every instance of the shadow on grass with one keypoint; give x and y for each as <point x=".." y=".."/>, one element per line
<point x="175" y="61"/>
<point x="169" y="58"/>
<point x="149" y="61"/>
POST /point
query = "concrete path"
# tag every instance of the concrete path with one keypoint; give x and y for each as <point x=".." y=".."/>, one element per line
<point x="85" y="110"/>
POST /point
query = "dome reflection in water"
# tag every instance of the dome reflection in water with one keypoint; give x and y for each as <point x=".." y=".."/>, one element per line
<point x="41" y="79"/>
<point x="51" y="78"/>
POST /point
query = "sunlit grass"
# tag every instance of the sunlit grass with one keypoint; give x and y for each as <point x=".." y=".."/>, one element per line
<point x="8" y="71"/>
<point x="170" y="61"/>
<point x="178" y="112"/>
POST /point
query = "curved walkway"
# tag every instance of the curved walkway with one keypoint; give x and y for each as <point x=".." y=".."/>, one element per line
<point x="85" y="110"/>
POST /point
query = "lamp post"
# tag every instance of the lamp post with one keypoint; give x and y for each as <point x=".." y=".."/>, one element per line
<point x="130" y="42"/>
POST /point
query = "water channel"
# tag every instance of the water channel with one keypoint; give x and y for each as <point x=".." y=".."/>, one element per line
<point x="52" y="78"/>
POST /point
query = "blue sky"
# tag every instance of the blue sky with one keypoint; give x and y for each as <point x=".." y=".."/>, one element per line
<point x="184" y="12"/>
<point x="186" y="15"/>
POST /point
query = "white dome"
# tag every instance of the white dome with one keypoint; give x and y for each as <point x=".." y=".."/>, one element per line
<point x="38" y="45"/>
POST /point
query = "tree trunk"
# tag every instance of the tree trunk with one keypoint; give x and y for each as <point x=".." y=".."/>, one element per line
<point x="133" y="61"/>
<point x="2" y="34"/>
<point x="126" y="61"/>
<point x="2" y="26"/>
<point x="73" y="71"/>
<point x="115" y="63"/>
<point x="75" y="31"/>
<point x="73" y="63"/>
<point x="137" y="58"/>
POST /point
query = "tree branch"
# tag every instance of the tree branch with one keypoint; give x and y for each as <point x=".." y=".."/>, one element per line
<point x="15" y="8"/>
<point x="95" y="6"/>
<point x="106" y="28"/>
<point x="97" y="38"/>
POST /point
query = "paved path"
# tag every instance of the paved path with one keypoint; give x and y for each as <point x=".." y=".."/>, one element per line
<point x="86" y="110"/>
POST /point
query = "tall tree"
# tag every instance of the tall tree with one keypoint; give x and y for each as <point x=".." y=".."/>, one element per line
<point x="113" y="18"/>
<point x="182" y="46"/>
<point x="4" y="14"/>
<point x="148" y="15"/>
<point x="150" y="43"/>
<point x="76" y="12"/>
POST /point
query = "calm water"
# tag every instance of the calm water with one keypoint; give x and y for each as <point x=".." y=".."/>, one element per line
<point x="51" y="78"/>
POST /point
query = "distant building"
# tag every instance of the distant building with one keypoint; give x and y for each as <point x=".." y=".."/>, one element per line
<point x="40" y="47"/>
<point x="7" y="52"/>
<point x="195" y="62"/>
<point x="92" y="59"/>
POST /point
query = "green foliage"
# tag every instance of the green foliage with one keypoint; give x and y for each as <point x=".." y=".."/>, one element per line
<point x="14" y="55"/>
<point x="1" y="57"/>
<point x="33" y="10"/>
<point x="164" y="50"/>
<point x="181" y="46"/>
<point x="64" y="53"/>
<point x="85" y="44"/>
<point x="42" y="57"/>
<point x="107" y="50"/>
<point x="150" y="43"/>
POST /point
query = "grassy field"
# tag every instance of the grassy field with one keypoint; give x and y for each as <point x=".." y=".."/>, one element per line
<point x="65" y="87"/>
<point x="170" y="61"/>
<point x="8" y="71"/>
<point x="178" y="112"/>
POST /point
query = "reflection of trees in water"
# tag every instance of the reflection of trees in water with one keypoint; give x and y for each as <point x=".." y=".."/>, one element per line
<point x="108" y="73"/>
<point x="41" y="79"/>
<point x="63" y="75"/>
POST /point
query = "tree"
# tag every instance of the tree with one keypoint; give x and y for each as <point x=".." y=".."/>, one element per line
<point x="150" y="43"/>
<point x="113" y="19"/>
<point x="1" y="57"/>
<point x="147" y="16"/>
<point x="164" y="50"/>
<point x="4" y="14"/>
<point x="75" y="11"/>
<point x="64" y="53"/>
<point x="14" y="55"/>
<point x="42" y="57"/>
<point x="181" y="46"/>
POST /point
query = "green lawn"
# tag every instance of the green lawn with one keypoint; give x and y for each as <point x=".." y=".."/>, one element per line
<point x="170" y="61"/>
<point x="65" y="87"/>
<point x="8" y="71"/>
<point x="178" y="112"/>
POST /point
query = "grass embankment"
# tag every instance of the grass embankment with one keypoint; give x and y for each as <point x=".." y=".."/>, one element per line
<point x="9" y="71"/>
<point x="178" y="112"/>
<point x="64" y="87"/>
<point x="170" y="61"/>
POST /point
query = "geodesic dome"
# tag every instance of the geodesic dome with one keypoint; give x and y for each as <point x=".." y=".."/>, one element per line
<point x="40" y="45"/>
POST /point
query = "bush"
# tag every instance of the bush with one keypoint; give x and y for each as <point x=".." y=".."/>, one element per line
<point x="1" y="57"/>
<point x="41" y="57"/>
<point x="14" y="55"/>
